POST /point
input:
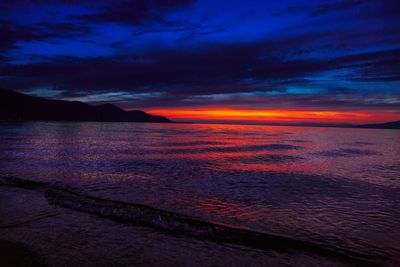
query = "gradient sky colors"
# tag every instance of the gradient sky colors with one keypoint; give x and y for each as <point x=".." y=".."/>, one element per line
<point x="225" y="114"/>
<point x="266" y="61"/>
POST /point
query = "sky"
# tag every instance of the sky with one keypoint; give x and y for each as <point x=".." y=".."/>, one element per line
<point x="335" y="61"/>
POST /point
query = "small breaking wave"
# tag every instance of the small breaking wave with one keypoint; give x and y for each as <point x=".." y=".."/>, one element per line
<point x="171" y="222"/>
<point x="174" y="223"/>
<point x="21" y="183"/>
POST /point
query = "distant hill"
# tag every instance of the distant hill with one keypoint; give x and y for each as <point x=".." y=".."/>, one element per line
<point x="388" y="125"/>
<point x="15" y="106"/>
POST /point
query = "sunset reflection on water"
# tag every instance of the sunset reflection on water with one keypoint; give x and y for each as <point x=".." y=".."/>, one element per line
<point x="331" y="184"/>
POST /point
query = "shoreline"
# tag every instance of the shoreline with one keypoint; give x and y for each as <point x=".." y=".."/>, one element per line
<point x="177" y="224"/>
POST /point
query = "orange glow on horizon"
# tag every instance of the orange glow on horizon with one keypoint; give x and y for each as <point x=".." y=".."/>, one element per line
<point x="229" y="114"/>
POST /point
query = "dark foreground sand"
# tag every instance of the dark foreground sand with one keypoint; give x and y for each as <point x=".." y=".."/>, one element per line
<point x="14" y="254"/>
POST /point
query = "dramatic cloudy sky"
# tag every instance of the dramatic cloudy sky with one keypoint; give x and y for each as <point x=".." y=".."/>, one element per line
<point x="311" y="60"/>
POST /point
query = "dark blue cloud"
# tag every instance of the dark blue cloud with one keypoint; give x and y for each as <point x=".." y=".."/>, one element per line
<point x="134" y="11"/>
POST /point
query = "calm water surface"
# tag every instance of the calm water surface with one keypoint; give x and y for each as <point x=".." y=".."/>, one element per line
<point x="332" y="186"/>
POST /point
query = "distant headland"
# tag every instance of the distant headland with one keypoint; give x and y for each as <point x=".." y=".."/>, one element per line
<point x="15" y="106"/>
<point x="387" y="125"/>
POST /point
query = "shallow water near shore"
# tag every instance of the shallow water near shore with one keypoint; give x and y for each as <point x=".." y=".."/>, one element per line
<point x="332" y="187"/>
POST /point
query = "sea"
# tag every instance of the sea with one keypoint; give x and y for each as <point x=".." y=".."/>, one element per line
<point x="334" y="188"/>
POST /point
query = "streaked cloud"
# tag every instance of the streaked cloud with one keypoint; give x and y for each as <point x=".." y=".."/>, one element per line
<point x="327" y="56"/>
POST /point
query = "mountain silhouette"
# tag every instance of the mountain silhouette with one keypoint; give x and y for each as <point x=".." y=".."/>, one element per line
<point x="387" y="125"/>
<point x="15" y="106"/>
